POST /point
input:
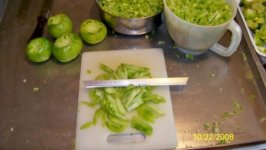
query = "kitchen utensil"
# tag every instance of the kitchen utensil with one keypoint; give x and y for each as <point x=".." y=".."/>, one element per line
<point x="136" y="82"/>
<point x="42" y="19"/>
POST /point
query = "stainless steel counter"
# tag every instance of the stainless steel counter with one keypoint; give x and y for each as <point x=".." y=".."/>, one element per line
<point x="46" y="119"/>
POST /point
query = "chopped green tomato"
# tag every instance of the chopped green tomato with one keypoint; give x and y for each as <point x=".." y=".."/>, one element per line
<point x="104" y="76"/>
<point x="103" y="117"/>
<point x="207" y="126"/>
<point x="255" y="15"/>
<point x="259" y="6"/>
<point x="189" y="56"/>
<point x="249" y="13"/>
<point x="215" y="127"/>
<point x="116" y="124"/>
<point x="258" y="40"/>
<point x="67" y="47"/>
<point x="110" y="90"/>
<point x="260" y="36"/>
<point x="112" y="105"/>
<point x="39" y="50"/>
<point x="35" y="89"/>
<point x="106" y="68"/>
<point x="116" y="104"/>
<point x="93" y="31"/>
<point x="252" y="25"/>
<point x="152" y="98"/>
<point x="99" y="114"/>
<point x="133" y="98"/>
<point x="141" y="125"/>
<point x="194" y="11"/>
<point x="132" y="8"/>
<point x="226" y="115"/>
<point x="223" y="142"/>
<point x="149" y="112"/>
<point x="59" y="25"/>
<point x="87" y="104"/>
<point x="255" y="23"/>
<point x="96" y="96"/>
<point x="121" y="73"/>
<point x="237" y="108"/>
<point x="86" y="125"/>
<point x="136" y="72"/>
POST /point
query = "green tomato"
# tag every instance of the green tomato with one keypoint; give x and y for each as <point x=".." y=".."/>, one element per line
<point x="93" y="31"/>
<point x="39" y="50"/>
<point x="59" y="25"/>
<point x="67" y="47"/>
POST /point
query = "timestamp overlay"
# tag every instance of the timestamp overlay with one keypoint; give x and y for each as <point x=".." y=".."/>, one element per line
<point x="213" y="136"/>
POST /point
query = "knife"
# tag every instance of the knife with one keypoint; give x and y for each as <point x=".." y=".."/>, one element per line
<point x="42" y="19"/>
<point x="136" y="82"/>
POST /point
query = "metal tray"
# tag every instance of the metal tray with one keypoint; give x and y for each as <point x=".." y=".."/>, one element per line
<point x="47" y="118"/>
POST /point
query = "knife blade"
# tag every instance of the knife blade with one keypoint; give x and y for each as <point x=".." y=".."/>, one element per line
<point x="136" y="82"/>
<point x="42" y="19"/>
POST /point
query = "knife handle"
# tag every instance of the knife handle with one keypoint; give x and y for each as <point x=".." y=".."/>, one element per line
<point x="41" y="21"/>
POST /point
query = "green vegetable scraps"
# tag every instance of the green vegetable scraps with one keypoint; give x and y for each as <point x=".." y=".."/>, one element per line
<point x="86" y="125"/>
<point x="236" y="110"/>
<point x="201" y="12"/>
<point x="189" y="56"/>
<point x="223" y="142"/>
<point x="214" y="126"/>
<point x="207" y="126"/>
<point x="88" y="71"/>
<point x="132" y="8"/>
<point x="35" y="89"/>
<point x="121" y="107"/>
<point x="254" y="12"/>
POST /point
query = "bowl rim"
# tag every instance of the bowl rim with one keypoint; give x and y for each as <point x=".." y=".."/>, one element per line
<point x="124" y="18"/>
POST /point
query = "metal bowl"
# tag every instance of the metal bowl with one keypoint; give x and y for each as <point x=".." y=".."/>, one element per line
<point x="130" y="26"/>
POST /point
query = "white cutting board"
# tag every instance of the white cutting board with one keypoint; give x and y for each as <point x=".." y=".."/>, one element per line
<point x="94" y="138"/>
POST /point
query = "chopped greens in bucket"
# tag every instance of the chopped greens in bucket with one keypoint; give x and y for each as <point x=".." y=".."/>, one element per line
<point x="201" y="12"/>
<point x="132" y="8"/>
<point x="118" y="108"/>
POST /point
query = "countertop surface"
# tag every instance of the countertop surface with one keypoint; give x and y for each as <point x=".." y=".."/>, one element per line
<point x="46" y="119"/>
